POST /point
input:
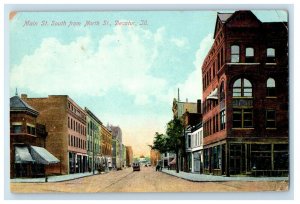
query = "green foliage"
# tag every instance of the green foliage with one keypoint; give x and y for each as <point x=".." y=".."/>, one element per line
<point x="172" y="141"/>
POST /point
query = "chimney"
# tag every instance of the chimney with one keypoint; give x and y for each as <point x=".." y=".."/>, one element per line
<point x="199" y="106"/>
<point x="23" y="96"/>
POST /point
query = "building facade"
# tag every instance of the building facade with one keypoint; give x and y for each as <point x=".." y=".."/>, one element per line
<point x="65" y="122"/>
<point x="106" y="146"/>
<point x="194" y="148"/>
<point x="27" y="141"/>
<point x="117" y="158"/>
<point x="93" y="136"/>
<point x="245" y="97"/>
<point x="129" y="156"/>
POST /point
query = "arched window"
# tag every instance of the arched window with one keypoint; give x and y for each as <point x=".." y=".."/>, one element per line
<point x="242" y="88"/>
<point x="249" y="55"/>
<point x="271" y="55"/>
<point x="271" y="87"/>
<point x="235" y="53"/>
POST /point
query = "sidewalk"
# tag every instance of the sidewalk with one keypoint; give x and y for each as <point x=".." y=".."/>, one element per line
<point x="210" y="178"/>
<point x="55" y="178"/>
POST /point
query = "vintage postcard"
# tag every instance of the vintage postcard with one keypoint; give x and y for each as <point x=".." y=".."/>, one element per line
<point x="149" y="101"/>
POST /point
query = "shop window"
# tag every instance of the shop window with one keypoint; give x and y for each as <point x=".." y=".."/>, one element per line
<point x="235" y="53"/>
<point x="281" y="157"/>
<point x="270" y="119"/>
<point x="270" y="55"/>
<point x="249" y="55"/>
<point x="261" y="157"/>
<point x="242" y="88"/>
<point x="242" y="118"/>
<point x="271" y="87"/>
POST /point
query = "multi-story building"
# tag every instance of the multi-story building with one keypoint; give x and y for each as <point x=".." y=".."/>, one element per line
<point x="65" y="122"/>
<point x="129" y="156"/>
<point x="190" y="115"/>
<point x="93" y="136"/>
<point x="106" y="146"/>
<point x="116" y="146"/>
<point x="27" y="141"/>
<point x="194" y="148"/>
<point x="245" y="97"/>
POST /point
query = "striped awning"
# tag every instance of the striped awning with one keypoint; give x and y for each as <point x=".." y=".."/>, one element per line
<point x="42" y="156"/>
<point x="213" y="95"/>
<point x="22" y="155"/>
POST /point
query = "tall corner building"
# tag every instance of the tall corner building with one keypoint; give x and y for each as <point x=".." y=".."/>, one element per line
<point x="65" y="122"/>
<point x="245" y="97"/>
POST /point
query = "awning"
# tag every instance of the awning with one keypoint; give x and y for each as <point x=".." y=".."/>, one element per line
<point x="22" y="155"/>
<point x="213" y="95"/>
<point x="173" y="161"/>
<point x="42" y="156"/>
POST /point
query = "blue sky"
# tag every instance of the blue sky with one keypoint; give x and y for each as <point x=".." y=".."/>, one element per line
<point x="127" y="75"/>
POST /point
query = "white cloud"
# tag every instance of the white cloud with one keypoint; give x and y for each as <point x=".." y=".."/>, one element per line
<point x="121" y="59"/>
<point x="192" y="87"/>
<point x="179" y="42"/>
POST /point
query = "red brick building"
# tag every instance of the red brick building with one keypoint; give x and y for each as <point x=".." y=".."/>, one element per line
<point x="66" y="125"/>
<point x="27" y="141"/>
<point x="245" y="97"/>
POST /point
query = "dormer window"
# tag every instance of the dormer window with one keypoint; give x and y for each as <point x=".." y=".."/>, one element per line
<point x="270" y="55"/>
<point x="249" y="55"/>
<point x="235" y="53"/>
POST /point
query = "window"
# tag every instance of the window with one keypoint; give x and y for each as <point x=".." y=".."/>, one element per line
<point x="222" y="120"/>
<point x="17" y="128"/>
<point x="222" y="93"/>
<point x="242" y="88"/>
<point x="249" y="55"/>
<point x="270" y="119"/>
<point x="270" y="55"/>
<point x="235" y="53"/>
<point x="189" y="141"/>
<point x="31" y="130"/>
<point x="271" y="87"/>
<point x="242" y="118"/>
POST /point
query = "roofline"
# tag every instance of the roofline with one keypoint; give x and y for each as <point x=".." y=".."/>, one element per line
<point x="90" y="113"/>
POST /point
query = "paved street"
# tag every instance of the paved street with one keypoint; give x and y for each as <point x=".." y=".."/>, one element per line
<point x="147" y="180"/>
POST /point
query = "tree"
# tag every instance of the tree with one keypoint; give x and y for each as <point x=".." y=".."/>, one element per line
<point x="174" y="138"/>
<point x="172" y="141"/>
<point x="160" y="143"/>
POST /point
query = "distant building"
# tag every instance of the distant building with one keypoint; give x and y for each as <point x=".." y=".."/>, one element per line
<point x="66" y="125"/>
<point x="129" y="156"/>
<point x="116" y="146"/>
<point x="93" y="125"/>
<point x="245" y="97"/>
<point x="28" y="156"/>
<point x="106" y="146"/>
<point x="124" y="156"/>
<point x="154" y="157"/>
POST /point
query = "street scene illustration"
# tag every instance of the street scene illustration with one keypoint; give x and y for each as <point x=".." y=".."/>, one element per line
<point x="149" y="101"/>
